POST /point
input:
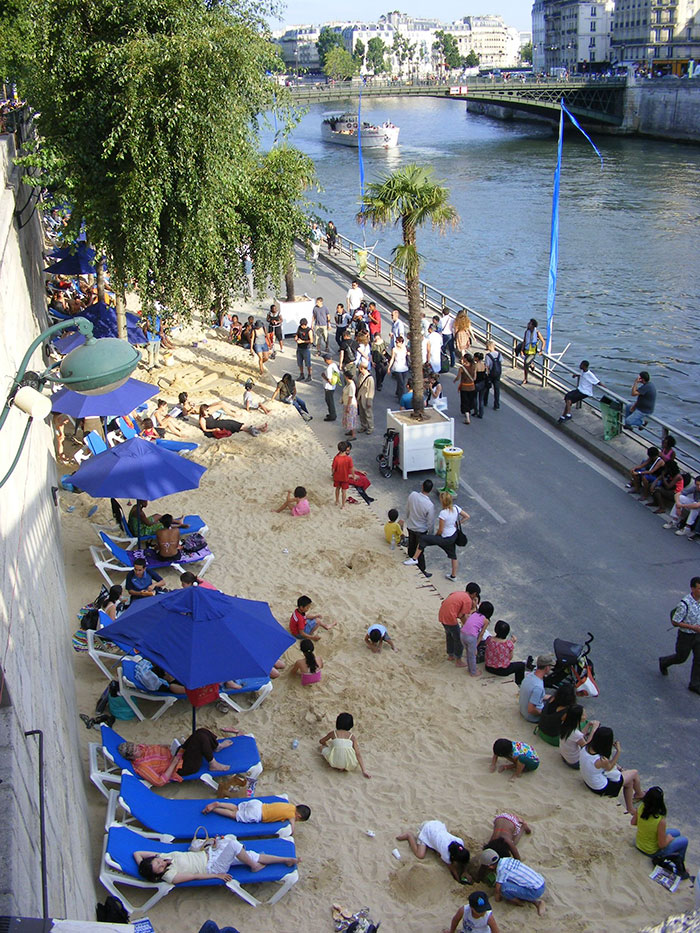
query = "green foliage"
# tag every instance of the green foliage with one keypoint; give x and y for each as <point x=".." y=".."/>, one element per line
<point x="403" y="49"/>
<point x="526" y="53"/>
<point x="412" y="198"/>
<point x="340" y="64"/>
<point x="471" y="60"/>
<point x="446" y="46"/>
<point x="375" y="58"/>
<point x="359" y="51"/>
<point x="149" y="118"/>
<point x="328" y="39"/>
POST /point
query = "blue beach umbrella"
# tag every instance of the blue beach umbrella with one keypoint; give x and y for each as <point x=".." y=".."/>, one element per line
<point x="137" y="469"/>
<point x="64" y="252"/>
<point x="202" y="636"/>
<point x="74" y="264"/>
<point x="104" y="323"/>
<point x="119" y="402"/>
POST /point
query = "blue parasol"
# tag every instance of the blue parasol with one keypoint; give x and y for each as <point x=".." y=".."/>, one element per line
<point x="74" y="264"/>
<point x="118" y="402"/>
<point x="104" y="323"/>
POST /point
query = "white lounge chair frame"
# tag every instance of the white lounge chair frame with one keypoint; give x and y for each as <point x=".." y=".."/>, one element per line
<point x="104" y="560"/>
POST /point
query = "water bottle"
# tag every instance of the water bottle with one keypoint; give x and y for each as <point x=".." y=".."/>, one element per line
<point x="295" y="743"/>
<point x="393" y="543"/>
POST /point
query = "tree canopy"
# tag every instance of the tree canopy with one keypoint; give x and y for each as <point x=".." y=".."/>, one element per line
<point x="376" y="56"/>
<point x="472" y="59"/>
<point x="149" y="124"/>
<point x="340" y="64"/>
<point x="526" y="53"/>
<point x="446" y="46"/>
<point x="403" y="49"/>
<point x="358" y="53"/>
<point x="328" y="39"/>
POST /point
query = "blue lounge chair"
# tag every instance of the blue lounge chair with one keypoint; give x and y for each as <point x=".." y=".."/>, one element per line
<point x="178" y="818"/>
<point x="117" y="559"/>
<point x="119" y="867"/>
<point x="131" y="691"/>
<point x="106" y="764"/>
<point x="125" y="535"/>
<point x="95" y="445"/>
<point x="179" y="447"/>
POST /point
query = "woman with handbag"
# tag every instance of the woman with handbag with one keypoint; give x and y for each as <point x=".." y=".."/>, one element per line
<point x="467" y="389"/>
<point x="449" y="534"/>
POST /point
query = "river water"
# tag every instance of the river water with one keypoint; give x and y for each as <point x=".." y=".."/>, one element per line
<point x="628" y="294"/>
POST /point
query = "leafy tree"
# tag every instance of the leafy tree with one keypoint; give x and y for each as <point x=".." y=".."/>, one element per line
<point x="149" y="117"/>
<point x="340" y="64"/>
<point x="359" y="51"/>
<point x="471" y="60"/>
<point x="403" y="49"/>
<point x="410" y="197"/>
<point x="526" y="53"/>
<point x="375" y="58"/>
<point x="328" y="39"/>
<point x="446" y="46"/>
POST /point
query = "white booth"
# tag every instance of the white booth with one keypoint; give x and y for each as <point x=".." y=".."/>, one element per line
<point x="416" y="438"/>
<point x="293" y="311"/>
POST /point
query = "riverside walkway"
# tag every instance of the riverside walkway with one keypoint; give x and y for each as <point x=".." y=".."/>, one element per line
<point x="560" y="550"/>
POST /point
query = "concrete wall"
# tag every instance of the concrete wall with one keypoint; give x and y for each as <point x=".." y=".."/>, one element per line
<point x="35" y="649"/>
<point x="670" y="109"/>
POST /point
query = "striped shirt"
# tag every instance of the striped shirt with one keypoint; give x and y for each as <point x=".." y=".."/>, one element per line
<point x="153" y="764"/>
<point x="513" y="870"/>
<point x="687" y="610"/>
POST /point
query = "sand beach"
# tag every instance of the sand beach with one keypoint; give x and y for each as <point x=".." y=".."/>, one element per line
<point x="425" y="728"/>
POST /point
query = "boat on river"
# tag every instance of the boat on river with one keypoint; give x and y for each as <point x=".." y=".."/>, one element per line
<point x="345" y="130"/>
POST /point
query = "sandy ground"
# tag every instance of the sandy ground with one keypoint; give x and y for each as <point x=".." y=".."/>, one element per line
<point x="424" y="727"/>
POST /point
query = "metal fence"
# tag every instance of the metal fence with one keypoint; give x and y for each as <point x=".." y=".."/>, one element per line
<point x="552" y="372"/>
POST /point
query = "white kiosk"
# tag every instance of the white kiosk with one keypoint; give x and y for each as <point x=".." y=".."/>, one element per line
<point x="416" y="437"/>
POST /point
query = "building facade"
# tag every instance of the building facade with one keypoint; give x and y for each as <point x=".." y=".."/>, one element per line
<point x="657" y="33"/>
<point x="577" y="35"/>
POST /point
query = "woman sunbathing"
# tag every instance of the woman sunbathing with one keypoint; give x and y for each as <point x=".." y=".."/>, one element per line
<point x="163" y="421"/>
<point x="209" y="422"/>
<point x="158" y="764"/>
<point x="211" y="862"/>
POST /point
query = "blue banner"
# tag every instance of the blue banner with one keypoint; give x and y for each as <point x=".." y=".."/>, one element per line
<point x="361" y="163"/>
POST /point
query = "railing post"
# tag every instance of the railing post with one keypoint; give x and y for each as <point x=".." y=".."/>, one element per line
<point x="443" y="302"/>
<point x="391" y="273"/>
<point x="376" y="266"/>
<point x="488" y="331"/>
<point x="545" y="371"/>
<point x="513" y="353"/>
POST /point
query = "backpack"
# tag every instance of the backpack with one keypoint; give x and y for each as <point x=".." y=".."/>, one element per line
<point x="112" y="911"/>
<point x="673" y="612"/>
<point x="496" y="365"/>
<point x="672" y="863"/>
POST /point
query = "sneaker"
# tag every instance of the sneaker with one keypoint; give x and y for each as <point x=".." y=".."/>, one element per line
<point x="426" y="573"/>
<point x="448" y="576"/>
<point x="693" y="535"/>
<point x="560" y="419"/>
<point x="411" y="562"/>
<point x="568" y="417"/>
<point x="670" y="524"/>
<point x="680" y="531"/>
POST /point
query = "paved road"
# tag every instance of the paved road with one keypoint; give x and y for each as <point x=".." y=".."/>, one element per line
<point x="560" y="550"/>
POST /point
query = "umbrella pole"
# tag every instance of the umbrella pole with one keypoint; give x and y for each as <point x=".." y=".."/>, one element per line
<point x="194" y="719"/>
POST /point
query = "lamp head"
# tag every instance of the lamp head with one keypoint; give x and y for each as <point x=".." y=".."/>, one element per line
<point x="98" y="366"/>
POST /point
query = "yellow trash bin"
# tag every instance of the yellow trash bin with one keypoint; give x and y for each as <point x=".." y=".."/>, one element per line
<point x="453" y="459"/>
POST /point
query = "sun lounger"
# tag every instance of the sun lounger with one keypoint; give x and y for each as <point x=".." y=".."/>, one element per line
<point x="119" y="868"/>
<point x="118" y="560"/>
<point x="95" y="445"/>
<point x="178" y="818"/>
<point x="131" y="691"/>
<point x="123" y="535"/>
<point x="106" y="764"/>
<point x="179" y="447"/>
<point x="101" y="653"/>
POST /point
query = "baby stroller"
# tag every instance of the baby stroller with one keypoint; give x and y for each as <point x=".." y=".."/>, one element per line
<point x="573" y="666"/>
<point x="388" y="459"/>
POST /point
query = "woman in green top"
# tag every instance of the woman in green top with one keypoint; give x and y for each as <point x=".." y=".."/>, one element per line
<point x="653" y="838"/>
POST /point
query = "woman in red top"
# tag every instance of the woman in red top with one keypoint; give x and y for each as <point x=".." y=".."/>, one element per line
<point x="499" y="654"/>
<point x="375" y="320"/>
<point x="342" y="469"/>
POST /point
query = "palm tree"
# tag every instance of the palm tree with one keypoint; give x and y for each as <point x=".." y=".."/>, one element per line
<point x="411" y="197"/>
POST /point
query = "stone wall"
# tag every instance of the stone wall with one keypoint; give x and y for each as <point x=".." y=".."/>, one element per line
<point x="35" y="629"/>
<point x="669" y="108"/>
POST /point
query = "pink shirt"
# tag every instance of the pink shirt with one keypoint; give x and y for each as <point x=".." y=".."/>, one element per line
<point x="302" y="507"/>
<point x="473" y="624"/>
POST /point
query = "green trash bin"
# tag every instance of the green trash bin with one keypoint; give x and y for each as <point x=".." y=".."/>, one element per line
<point x="453" y="461"/>
<point x="611" y="410"/>
<point x="438" y="446"/>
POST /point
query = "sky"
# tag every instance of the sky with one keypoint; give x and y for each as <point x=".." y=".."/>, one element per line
<point x="515" y="12"/>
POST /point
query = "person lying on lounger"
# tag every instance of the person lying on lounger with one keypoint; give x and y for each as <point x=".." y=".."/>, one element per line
<point x="255" y="811"/>
<point x="158" y="764"/>
<point x="211" y="862"/>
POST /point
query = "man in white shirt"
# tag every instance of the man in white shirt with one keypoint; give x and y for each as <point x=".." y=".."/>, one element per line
<point x="447" y="323"/>
<point x="354" y="297"/>
<point x="420" y="519"/>
<point x="586" y="383"/>
<point x="331" y="378"/>
<point x="398" y="328"/>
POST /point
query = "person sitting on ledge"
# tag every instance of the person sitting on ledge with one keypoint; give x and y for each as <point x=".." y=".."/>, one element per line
<point x="211" y="862"/>
<point x="159" y="764"/>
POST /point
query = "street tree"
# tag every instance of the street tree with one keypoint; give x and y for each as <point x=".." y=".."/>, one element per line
<point x="471" y="60"/>
<point x="447" y="48"/>
<point x="403" y="49"/>
<point x="340" y="65"/>
<point x="410" y="197"/>
<point x="526" y="53"/>
<point x="149" y="121"/>
<point x="359" y="52"/>
<point x="376" y="56"/>
<point x="328" y="39"/>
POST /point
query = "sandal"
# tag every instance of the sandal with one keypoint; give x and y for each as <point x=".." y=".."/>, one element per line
<point x="351" y="500"/>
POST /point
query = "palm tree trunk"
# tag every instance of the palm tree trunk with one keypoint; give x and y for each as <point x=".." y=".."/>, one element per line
<point x="415" y="318"/>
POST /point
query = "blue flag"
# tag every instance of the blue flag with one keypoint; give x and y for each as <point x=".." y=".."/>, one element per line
<point x="361" y="163"/>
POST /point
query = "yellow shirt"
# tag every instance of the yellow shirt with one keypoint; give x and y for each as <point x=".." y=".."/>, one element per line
<point x="278" y="812"/>
<point x="392" y="530"/>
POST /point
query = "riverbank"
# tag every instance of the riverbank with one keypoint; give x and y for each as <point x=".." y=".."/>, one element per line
<point x="424" y="727"/>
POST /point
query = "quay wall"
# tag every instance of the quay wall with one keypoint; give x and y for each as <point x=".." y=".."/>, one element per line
<point x="666" y="109"/>
<point x="35" y="628"/>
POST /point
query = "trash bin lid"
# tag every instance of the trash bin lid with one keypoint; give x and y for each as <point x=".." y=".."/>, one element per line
<point x="441" y="442"/>
<point x="452" y="451"/>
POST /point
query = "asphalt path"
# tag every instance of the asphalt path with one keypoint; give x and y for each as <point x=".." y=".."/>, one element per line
<point x="561" y="550"/>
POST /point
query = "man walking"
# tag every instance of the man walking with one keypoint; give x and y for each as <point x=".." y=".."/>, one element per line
<point x="365" y="398"/>
<point x="321" y="323"/>
<point x="447" y="331"/>
<point x="420" y="519"/>
<point x="398" y="328"/>
<point x="331" y="378"/>
<point x="586" y="383"/>
<point x="686" y="618"/>
<point x="315" y="241"/>
<point x="532" y="695"/>
<point x="354" y="297"/>
<point x="644" y="394"/>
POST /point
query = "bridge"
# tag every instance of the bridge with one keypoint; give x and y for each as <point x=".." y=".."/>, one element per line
<point x="593" y="101"/>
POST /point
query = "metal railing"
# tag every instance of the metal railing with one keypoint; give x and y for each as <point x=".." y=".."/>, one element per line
<point x="547" y="368"/>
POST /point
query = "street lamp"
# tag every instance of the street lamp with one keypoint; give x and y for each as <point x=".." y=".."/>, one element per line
<point x="96" y="367"/>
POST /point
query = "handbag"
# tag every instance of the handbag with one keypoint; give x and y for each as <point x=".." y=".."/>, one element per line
<point x="461" y="540"/>
<point x="198" y="844"/>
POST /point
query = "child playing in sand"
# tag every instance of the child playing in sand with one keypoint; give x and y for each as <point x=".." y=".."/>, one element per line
<point x="393" y="530"/>
<point x="249" y="403"/>
<point x="340" y="748"/>
<point x="433" y="834"/>
<point x="473" y="631"/>
<point x="475" y="915"/>
<point x="148" y="430"/>
<point x="303" y="623"/>
<point x="342" y="469"/>
<point x="255" y="811"/>
<point x="296" y="502"/>
<point x="376" y="637"/>
<point x="522" y="757"/>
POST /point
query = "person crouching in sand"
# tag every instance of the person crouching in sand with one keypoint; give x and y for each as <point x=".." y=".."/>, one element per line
<point x="340" y="748"/>
<point x="433" y="834"/>
<point x="515" y="882"/>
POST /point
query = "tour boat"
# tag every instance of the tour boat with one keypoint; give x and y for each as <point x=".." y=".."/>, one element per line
<point x="342" y="128"/>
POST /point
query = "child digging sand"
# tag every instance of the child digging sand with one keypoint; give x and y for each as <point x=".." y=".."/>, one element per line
<point x="342" y="469"/>
<point x="393" y="530"/>
<point x="522" y="757"/>
<point x="303" y="623"/>
<point x="376" y="637"/>
<point x="296" y="502"/>
<point x="340" y="748"/>
<point x="433" y="834"/>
